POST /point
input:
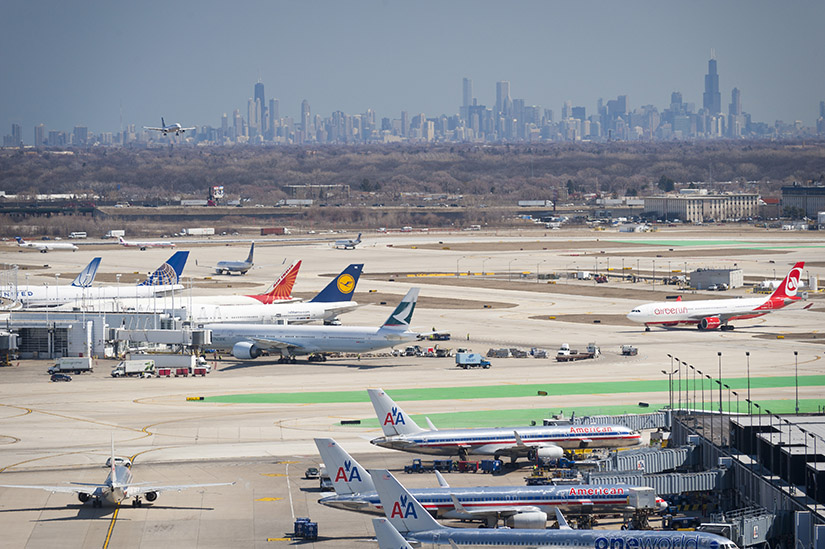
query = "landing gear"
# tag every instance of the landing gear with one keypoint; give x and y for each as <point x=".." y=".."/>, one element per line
<point x="462" y="454"/>
<point x="97" y="503"/>
<point x="136" y="502"/>
<point x="726" y="328"/>
<point x="647" y="328"/>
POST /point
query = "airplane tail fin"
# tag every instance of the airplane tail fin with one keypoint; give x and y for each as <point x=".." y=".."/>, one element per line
<point x="402" y="315"/>
<point x="401" y="508"/>
<point x="281" y="289"/>
<point x="19" y="240"/>
<point x="348" y="477"/>
<point x="87" y="275"/>
<point x="787" y="289"/>
<point x="394" y="421"/>
<point x="251" y="252"/>
<point x="121" y="241"/>
<point x="342" y="286"/>
<point x="112" y="462"/>
<point x="358" y="239"/>
<point x="169" y="272"/>
<point x="162" y="122"/>
<point x="388" y="537"/>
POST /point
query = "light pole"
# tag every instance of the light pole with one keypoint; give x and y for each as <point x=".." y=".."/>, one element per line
<point x="748" y="357"/>
<point x="796" y="378"/>
<point x="737" y="401"/>
<point x="483" y="261"/>
<point x="456" y="266"/>
<point x="509" y="274"/>
<point x="719" y="354"/>
<point x="670" y="386"/>
<point x="710" y="394"/>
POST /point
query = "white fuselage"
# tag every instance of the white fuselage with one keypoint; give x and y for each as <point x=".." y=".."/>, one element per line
<point x="668" y="312"/>
<point x="50" y="296"/>
<point x="47" y="247"/>
<point x="311" y="339"/>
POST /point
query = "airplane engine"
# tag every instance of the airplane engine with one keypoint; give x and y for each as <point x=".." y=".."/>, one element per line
<point x="244" y="349"/>
<point x="533" y="520"/>
<point x="710" y="323"/>
<point x="83" y="497"/>
<point x="151" y="496"/>
<point x="550" y="452"/>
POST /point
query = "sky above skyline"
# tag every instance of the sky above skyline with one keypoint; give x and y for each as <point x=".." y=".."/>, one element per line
<point x="65" y="64"/>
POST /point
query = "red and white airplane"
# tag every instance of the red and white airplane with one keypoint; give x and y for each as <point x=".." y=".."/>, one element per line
<point x="710" y="314"/>
<point x="146" y="243"/>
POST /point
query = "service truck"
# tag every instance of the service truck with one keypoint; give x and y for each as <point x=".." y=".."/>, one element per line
<point x="198" y="231"/>
<point x="566" y="354"/>
<point x="133" y="368"/>
<point x="471" y="360"/>
<point x="177" y="365"/>
<point x="73" y="365"/>
<point x="115" y="233"/>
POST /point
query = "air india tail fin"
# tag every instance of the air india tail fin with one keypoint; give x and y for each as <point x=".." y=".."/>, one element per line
<point x="787" y="289"/>
<point x="393" y="420"/>
<point x="401" y="508"/>
<point x="281" y="290"/>
<point x="348" y="477"/>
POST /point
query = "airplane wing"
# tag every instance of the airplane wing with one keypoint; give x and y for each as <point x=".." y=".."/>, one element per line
<point x="66" y="488"/>
<point x="275" y="344"/>
<point x="139" y="489"/>
<point x="501" y="510"/>
<point x="187" y="129"/>
<point x="154" y="129"/>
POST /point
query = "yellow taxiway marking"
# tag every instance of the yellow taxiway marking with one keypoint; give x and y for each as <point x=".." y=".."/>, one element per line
<point x="111" y="526"/>
<point x="273" y="474"/>
<point x="269" y="499"/>
<point x="288" y="462"/>
<point x="278" y="539"/>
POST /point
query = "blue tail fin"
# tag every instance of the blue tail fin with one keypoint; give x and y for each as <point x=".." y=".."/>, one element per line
<point x="169" y="272"/>
<point x="342" y="287"/>
<point x="87" y="275"/>
<point x="162" y="122"/>
<point x="251" y="252"/>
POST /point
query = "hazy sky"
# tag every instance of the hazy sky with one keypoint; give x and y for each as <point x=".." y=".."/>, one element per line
<point x="79" y="63"/>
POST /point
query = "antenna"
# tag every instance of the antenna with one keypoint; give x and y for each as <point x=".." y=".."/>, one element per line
<point x="713" y="53"/>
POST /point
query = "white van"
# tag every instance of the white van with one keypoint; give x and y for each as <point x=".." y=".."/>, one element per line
<point x="77" y="234"/>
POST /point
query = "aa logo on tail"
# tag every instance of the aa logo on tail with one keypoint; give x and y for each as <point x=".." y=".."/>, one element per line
<point x="394" y="417"/>
<point x="342" y="473"/>
<point x="346" y="283"/>
<point x="403" y="509"/>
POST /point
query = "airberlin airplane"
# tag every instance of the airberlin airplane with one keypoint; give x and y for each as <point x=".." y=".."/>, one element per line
<point x="711" y="314"/>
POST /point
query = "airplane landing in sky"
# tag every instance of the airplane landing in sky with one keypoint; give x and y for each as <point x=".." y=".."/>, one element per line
<point x="710" y="314"/>
<point x="164" y="129"/>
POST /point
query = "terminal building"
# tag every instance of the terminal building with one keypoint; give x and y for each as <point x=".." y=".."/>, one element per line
<point x="703" y="208"/>
<point x="810" y="200"/>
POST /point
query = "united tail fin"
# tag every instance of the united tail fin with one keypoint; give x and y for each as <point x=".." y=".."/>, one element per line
<point x="342" y="286"/>
<point x="87" y="275"/>
<point x="169" y="272"/>
<point x="388" y="537"/>
<point x="251" y="253"/>
<point x="401" y="508"/>
<point x="394" y="421"/>
<point x="281" y="289"/>
<point x="348" y="477"/>
<point x="402" y="315"/>
<point x="162" y="123"/>
<point x="787" y="289"/>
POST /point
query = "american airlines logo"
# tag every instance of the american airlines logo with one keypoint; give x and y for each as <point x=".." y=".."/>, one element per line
<point x="652" y="542"/>
<point x="394" y="417"/>
<point x="593" y="491"/>
<point x="670" y="310"/>
<point x="590" y="430"/>
<point x="403" y="508"/>
<point x="347" y="468"/>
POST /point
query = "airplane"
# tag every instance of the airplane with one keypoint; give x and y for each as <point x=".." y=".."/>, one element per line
<point x="387" y="536"/>
<point x="248" y="341"/>
<point x="44" y="247"/>
<point x="348" y="243"/>
<point x="165" y="279"/>
<point x="545" y="441"/>
<point x="168" y="129"/>
<point x="406" y="515"/>
<point x="143" y="244"/>
<point x="519" y="506"/>
<point x="229" y="267"/>
<point x="710" y="314"/>
<point x="87" y="276"/>
<point x="117" y="487"/>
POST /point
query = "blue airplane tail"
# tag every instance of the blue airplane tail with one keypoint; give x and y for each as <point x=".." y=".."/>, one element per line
<point x="169" y="272"/>
<point x="87" y="275"/>
<point x="342" y="287"/>
<point x="251" y="252"/>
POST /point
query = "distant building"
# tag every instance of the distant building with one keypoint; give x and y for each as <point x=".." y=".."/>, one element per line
<point x="699" y="209"/>
<point x="807" y="199"/>
<point x="712" y="98"/>
<point x="702" y="279"/>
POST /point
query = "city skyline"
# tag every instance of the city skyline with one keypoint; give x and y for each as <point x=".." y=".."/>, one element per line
<point x="93" y="65"/>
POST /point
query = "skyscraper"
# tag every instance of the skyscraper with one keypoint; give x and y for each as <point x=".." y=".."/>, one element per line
<point x="261" y="100"/>
<point x="305" y="119"/>
<point x="39" y="135"/>
<point x="467" y="96"/>
<point x="712" y="99"/>
<point x="502" y="96"/>
<point x="735" y="106"/>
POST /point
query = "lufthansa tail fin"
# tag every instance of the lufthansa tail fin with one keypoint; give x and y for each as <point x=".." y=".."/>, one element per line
<point x="387" y="536"/>
<point x="393" y="420"/>
<point x="400" y="507"/>
<point x="281" y="290"/>
<point x="342" y="287"/>
<point x="169" y="272"/>
<point x="87" y="275"/>
<point x="348" y="477"/>
<point x="787" y="289"/>
<point x="402" y="315"/>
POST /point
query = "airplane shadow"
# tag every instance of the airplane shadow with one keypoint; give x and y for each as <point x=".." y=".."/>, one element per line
<point x="87" y="512"/>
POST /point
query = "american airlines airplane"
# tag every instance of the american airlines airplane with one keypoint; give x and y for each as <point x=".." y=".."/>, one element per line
<point x="548" y="441"/>
<point x="44" y="247"/>
<point x="518" y="506"/>
<point x="248" y="341"/>
<point x="164" y="280"/>
<point x="710" y="314"/>
<point x="406" y="515"/>
<point x="143" y="244"/>
<point x="117" y="487"/>
<point x="164" y="129"/>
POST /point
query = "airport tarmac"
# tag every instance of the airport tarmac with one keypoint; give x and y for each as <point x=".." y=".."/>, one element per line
<point x="60" y="432"/>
